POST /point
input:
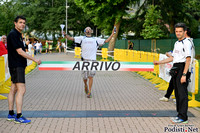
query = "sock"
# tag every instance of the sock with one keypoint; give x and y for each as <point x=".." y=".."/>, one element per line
<point x="18" y="115"/>
<point x="11" y="112"/>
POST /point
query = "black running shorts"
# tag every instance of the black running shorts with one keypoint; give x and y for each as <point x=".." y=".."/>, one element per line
<point x="17" y="74"/>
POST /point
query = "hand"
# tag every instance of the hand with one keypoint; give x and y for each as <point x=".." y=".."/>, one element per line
<point x="64" y="33"/>
<point x="167" y="54"/>
<point x="183" y="79"/>
<point x="156" y="62"/>
<point x="38" y="61"/>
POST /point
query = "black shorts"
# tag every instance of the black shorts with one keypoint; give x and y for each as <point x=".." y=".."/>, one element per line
<point x="17" y="74"/>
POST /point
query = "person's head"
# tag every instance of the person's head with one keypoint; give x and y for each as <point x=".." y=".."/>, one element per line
<point x="88" y="31"/>
<point x="180" y="29"/>
<point x="3" y="39"/>
<point x="129" y="41"/>
<point x="20" y="22"/>
<point x="188" y="32"/>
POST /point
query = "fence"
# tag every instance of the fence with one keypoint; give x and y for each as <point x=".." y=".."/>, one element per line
<point x="159" y="76"/>
<point x="162" y="46"/>
<point x="5" y="80"/>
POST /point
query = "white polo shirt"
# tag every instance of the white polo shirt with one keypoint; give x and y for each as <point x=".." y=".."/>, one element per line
<point x="89" y="46"/>
<point x="182" y="49"/>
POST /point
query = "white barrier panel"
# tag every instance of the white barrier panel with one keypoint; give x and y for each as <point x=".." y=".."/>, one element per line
<point x="7" y="73"/>
<point x="191" y="85"/>
<point x="29" y="62"/>
<point x="165" y="68"/>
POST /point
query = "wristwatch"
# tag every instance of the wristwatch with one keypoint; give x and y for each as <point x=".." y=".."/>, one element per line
<point x="184" y="74"/>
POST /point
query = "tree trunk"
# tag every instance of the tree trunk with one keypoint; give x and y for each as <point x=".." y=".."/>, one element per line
<point x="171" y="24"/>
<point x="111" y="45"/>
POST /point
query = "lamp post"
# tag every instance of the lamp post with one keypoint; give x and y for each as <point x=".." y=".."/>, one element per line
<point x="62" y="27"/>
<point x="66" y="25"/>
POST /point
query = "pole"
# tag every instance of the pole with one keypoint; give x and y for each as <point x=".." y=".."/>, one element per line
<point x="66" y="26"/>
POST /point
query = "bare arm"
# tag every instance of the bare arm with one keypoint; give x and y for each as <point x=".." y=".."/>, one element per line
<point x="170" y="59"/>
<point x="69" y="38"/>
<point x="25" y="55"/>
<point x="187" y="64"/>
<point x="107" y="40"/>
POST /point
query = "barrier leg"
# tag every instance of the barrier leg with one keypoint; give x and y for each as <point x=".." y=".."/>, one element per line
<point x="165" y="87"/>
<point x="193" y="102"/>
<point x="2" y="97"/>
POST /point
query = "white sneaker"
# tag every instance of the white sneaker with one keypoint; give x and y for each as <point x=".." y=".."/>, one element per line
<point x="164" y="99"/>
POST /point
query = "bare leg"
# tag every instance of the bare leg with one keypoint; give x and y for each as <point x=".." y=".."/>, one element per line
<point x="86" y="86"/>
<point x="85" y="81"/>
<point x="11" y="96"/>
<point x="21" y="89"/>
<point x="90" y="83"/>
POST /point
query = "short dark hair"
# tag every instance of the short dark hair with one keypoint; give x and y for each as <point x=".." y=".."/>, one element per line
<point x="181" y="25"/>
<point x="188" y="31"/>
<point x="19" y="17"/>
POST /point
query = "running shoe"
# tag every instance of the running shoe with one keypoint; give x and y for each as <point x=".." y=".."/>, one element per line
<point x="89" y="95"/>
<point x="11" y="117"/>
<point x="179" y="121"/>
<point x="86" y="89"/>
<point x="21" y="119"/>
<point x="164" y="99"/>
<point x="174" y="118"/>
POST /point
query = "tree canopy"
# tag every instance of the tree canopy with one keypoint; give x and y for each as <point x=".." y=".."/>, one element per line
<point x="45" y="16"/>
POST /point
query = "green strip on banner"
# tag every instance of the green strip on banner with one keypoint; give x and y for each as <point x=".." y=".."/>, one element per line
<point x="58" y="62"/>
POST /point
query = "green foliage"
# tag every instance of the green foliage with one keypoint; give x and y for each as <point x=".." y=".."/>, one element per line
<point x="105" y="13"/>
<point x="8" y="12"/>
<point x="44" y="16"/>
<point x="152" y="28"/>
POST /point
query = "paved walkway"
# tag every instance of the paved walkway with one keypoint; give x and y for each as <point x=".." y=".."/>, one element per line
<point x="122" y="102"/>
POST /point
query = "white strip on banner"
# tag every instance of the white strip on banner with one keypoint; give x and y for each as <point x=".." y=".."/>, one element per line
<point x="165" y="68"/>
<point x="191" y="85"/>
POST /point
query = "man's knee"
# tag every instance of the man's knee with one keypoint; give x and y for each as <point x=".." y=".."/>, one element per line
<point x="90" y="77"/>
<point x="21" y="88"/>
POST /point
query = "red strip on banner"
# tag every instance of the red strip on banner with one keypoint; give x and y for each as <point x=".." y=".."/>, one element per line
<point x="136" y="69"/>
<point x="54" y="68"/>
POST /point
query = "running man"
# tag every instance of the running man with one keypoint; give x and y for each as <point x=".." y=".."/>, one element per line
<point x="89" y="47"/>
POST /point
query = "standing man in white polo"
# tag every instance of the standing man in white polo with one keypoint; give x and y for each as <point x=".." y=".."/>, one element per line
<point x="181" y="58"/>
<point x="89" y="47"/>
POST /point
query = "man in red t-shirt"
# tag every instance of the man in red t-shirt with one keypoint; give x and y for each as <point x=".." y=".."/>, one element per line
<point x="3" y="49"/>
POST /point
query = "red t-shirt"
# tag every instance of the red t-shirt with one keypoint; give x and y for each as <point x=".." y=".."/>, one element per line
<point x="3" y="49"/>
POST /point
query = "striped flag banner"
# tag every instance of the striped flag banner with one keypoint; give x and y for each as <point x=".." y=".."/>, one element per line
<point x="96" y="66"/>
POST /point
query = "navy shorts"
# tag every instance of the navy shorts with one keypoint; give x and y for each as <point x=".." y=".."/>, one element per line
<point x="17" y="74"/>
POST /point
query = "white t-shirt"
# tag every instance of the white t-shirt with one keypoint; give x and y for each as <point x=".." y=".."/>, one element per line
<point x="182" y="49"/>
<point x="29" y="47"/>
<point x="37" y="46"/>
<point x="89" y="46"/>
<point x="63" y="45"/>
<point x="58" y="44"/>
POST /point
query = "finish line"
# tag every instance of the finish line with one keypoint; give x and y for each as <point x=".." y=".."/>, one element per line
<point x="97" y="113"/>
<point x="96" y="66"/>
